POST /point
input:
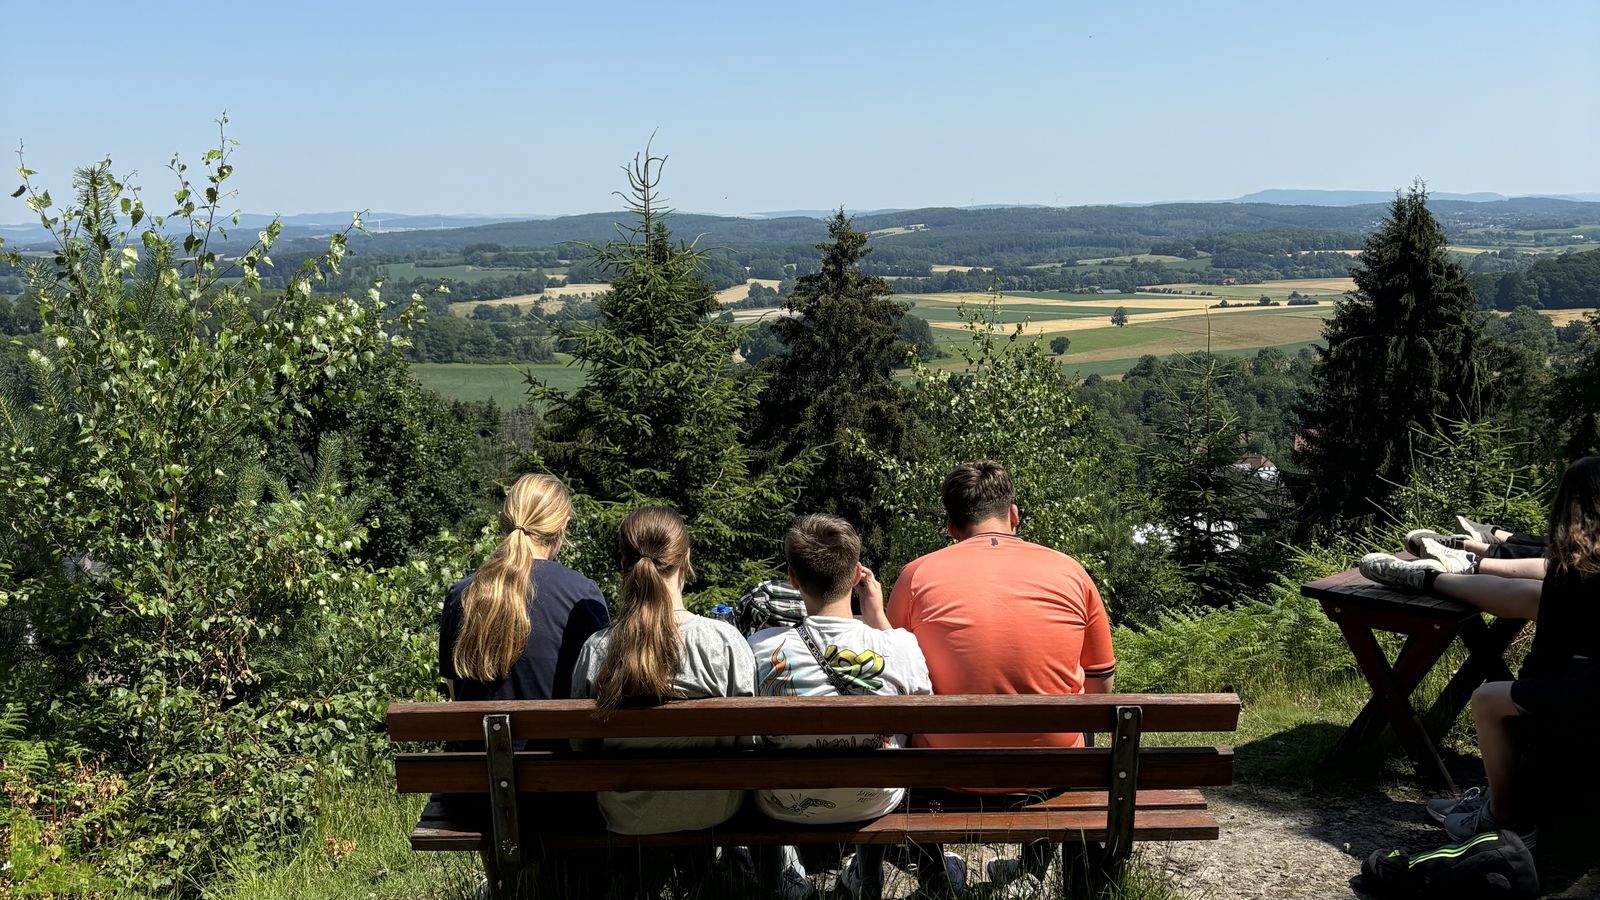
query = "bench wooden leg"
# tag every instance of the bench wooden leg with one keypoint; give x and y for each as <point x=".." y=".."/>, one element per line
<point x="1393" y="696"/>
<point x="505" y="882"/>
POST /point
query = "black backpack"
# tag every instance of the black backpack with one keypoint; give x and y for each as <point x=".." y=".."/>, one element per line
<point x="1494" y="865"/>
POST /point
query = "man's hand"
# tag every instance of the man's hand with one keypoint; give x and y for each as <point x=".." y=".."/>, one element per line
<point x="871" y="594"/>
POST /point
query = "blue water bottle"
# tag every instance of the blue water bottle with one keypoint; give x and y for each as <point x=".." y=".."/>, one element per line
<point x="722" y="611"/>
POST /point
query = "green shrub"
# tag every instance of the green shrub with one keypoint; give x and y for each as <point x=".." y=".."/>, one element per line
<point x="182" y="630"/>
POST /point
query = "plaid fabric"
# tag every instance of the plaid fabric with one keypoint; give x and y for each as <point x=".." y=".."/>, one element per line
<point x="770" y="604"/>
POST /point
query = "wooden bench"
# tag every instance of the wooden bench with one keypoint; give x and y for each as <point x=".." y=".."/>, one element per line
<point x="1119" y="793"/>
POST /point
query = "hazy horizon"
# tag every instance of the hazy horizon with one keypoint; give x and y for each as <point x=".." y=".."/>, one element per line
<point x="411" y="110"/>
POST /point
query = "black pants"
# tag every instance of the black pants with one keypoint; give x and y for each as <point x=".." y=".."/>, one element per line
<point x="1518" y="546"/>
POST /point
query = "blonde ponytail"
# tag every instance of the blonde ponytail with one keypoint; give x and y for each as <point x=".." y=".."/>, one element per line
<point x="494" y="608"/>
<point x="646" y="648"/>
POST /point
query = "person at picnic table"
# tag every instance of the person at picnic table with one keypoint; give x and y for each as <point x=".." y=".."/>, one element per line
<point x="657" y="651"/>
<point x="1479" y="539"/>
<point x="831" y="653"/>
<point x="1560" y="680"/>
<point x="995" y="614"/>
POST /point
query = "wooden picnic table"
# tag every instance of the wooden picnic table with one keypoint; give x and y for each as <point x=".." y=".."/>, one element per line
<point x="1430" y="623"/>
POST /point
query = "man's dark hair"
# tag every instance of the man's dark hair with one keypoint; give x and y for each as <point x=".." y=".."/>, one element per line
<point x="823" y="552"/>
<point x="977" y="491"/>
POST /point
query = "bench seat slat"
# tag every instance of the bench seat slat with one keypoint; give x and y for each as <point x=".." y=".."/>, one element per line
<point x="1161" y="767"/>
<point x="895" y="828"/>
<point x="738" y="716"/>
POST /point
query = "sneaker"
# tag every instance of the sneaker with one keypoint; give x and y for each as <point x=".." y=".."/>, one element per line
<point x="1003" y="871"/>
<point x="851" y="879"/>
<point x="1446" y="807"/>
<point x="955" y="869"/>
<point x="1463" y="825"/>
<point x="1478" y="531"/>
<point x="1026" y="887"/>
<point x="1385" y="568"/>
<point x="1457" y="562"/>
<point x="1415" y="537"/>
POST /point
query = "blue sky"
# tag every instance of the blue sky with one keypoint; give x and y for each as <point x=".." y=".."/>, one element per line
<point x="532" y="107"/>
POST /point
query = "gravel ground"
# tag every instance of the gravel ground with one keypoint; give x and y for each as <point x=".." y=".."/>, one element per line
<point x="1280" y="845"/>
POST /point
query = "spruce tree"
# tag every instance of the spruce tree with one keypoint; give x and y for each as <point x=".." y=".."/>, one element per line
<point x="1401" y="357"/>
<point x="830" y="392"/>
<point x="663" y="414"/>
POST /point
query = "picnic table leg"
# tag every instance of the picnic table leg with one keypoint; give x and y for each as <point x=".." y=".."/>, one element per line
<point x="1417" y="656"/>
<point x="1396" y="703"/>
<point x="1486" y="661"/>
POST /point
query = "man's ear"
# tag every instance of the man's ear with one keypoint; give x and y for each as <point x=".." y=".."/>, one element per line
<point x="1014" y="518"/>
<point x="950" y="529"/>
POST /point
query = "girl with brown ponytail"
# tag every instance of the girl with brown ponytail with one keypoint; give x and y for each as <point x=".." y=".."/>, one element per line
<point x="512" y="630"/>
<point x="657" y="651"/>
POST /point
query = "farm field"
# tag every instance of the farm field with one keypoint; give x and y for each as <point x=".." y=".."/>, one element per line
<point x="560" y="292"/>
<point x="500" y="382"/>
<point x="741" y="291"/>
<point x="1116" y="368"/>
<point x="1561" y="317"/>
<point x="1277" y="290"/>
<point x="409" y="270"/>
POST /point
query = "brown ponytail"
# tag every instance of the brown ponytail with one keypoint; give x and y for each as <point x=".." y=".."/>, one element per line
<point x="646" y="648"/>
<point x="494" y="607"/>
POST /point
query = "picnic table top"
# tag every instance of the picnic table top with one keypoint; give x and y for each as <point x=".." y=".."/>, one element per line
<point x="1350" y="589"/>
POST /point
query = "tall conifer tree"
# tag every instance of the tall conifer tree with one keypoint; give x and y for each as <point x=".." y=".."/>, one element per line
<point x="663" y="414"/>
<point x="832" y="390"/>
<point x="1402" y="356"/>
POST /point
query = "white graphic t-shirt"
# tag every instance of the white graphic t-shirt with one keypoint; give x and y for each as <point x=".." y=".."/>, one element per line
<point x="873" y="662"/>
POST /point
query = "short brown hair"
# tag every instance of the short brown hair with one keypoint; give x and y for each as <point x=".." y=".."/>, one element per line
<point x="823" y="552"/>
<point x="976" y="491"/>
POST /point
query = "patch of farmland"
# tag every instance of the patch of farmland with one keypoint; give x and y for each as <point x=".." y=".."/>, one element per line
<point x="939" y="270"/>
<point x="741" y="291"/>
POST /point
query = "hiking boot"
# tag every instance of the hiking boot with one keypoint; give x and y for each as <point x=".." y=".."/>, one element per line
<point x="1463" y="825"/>
<point x="1415" y="537"/>
<point x="1456" y="562"/>
<point x="1446" y="807"/>
<point x="1478" y="531"/>
<point x="1386" y="568"/>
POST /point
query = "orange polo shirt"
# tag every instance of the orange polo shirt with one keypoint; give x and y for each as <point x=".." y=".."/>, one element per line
<point x="995" y="614"/>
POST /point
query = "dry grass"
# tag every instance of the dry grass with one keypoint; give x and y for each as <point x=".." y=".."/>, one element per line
<point x="1563" y="316"/>
<point x="741" y="291"/>
<point x="937" y="270"/>
<point x="1188" y="312"/>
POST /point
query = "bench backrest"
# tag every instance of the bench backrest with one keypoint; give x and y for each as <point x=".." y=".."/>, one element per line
<point x="561" y="720"/>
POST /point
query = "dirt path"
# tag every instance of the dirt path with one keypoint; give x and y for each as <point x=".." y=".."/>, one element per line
<point x="1281" y="845"/>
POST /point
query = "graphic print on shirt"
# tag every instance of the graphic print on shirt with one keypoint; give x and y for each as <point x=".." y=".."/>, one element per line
<point x="860" y="668"/>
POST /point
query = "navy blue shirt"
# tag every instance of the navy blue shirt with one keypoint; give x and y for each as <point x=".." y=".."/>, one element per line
<point x="564" y="608"/>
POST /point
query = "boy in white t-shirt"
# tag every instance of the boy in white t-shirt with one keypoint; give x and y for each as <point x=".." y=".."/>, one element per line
<point x="832" y="653"/>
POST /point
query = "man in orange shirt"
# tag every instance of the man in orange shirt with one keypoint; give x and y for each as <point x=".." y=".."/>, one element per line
<point x="995" y="614"/>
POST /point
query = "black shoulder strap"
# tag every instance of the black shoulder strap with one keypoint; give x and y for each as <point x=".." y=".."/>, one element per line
<point x="840" y="684"/>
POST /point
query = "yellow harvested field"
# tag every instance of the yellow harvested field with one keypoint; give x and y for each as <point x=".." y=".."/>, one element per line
<point x="741" y="291"/>
<point x="1471" y="251"/>
<point x="572" y="290"/>
<point x="1085" y="323"/>
<point x="465" y="307"/>
<point x="937" y="270"/>
<point x="1563" y="316"/>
